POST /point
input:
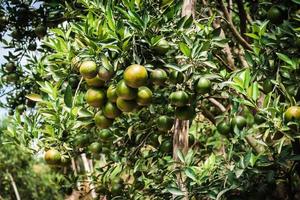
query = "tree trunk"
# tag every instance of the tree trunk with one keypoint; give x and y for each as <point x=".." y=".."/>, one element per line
<point x="181" y="127"/>
<point x="88" y="170"/>
<point x="188" y="8"/>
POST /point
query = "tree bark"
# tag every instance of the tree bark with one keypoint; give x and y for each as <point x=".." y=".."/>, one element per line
<point x="181" y="127"/>
<point x="88" y="170"/>
<point x="188" y="8"/>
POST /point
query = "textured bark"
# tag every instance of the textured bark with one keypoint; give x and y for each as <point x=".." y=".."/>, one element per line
<point x="188" y="8"/>
<point x="88" y="170"/>
<point x="180" y="137"/>
<point x="181" y="127"/>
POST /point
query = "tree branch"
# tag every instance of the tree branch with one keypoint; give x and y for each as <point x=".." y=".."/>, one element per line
<point x="235" y="32"/>
<point x="230" y="61"/>
<point x="218" y="104"/>
<point x="243" y="18"/>
<point x="13" y="183"/>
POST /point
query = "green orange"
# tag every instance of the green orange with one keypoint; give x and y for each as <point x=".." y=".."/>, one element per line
<point x="88" y="69"/>
<point x="144" y="96"/>
<point x="136" y="76"/>
<point x="126" y="105"/>
<point x="111" y="111"/>
<point x="292" y="113"/>
<point x="94" y="82"/>
<point x="164" y="123"/>
<point x="124" y="91"/>
<point x="275" y="14"/>
<point x="101" y="121"/>
<point x="81" y="140"/>
<point x="166" y="146"/>
<point x="95" y="147"/>
<point x="111" y="93"/>
<point x="267" y="86"/>
<point x="105" y="73"/>
<point x="95" y="97"/>
<point x="105" y="134"/>
<point x="158" y="76"/>
<point x="203" y="85"/>
<point x="224" y="127"/>
<point x="179" y="98"/>
<point x="239" y="121"/>
<point x="52" y="157"/>
<point x="162" y="46"/>
<point x="176" y="77"/>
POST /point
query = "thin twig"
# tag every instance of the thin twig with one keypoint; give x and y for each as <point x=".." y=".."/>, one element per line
<point x="218" y="104"/>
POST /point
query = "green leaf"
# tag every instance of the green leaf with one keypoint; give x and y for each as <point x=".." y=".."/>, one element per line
<point x="210" y="64"/>
<point x="68" y="97"/>
<point x="34" y="97"/>
<point x="285" y="59"/>
<point x="253" y="91"/>
<point x="175" y="191"/>
<point x="189" y="172"/>
<point x="252" y="35"/>
<point x="180" y="155"/>
<point x="185" y="49"/>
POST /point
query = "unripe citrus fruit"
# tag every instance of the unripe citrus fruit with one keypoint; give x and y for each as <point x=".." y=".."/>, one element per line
<point x="95" y="97"/>
<point x="111" y="93"/>
<point x="203" y="85"/>
<point x="136" y="76"/>
<point x="158" y="76"/>
<point x="224" y="127"/>
<point x="52" y="157"/>
<point x="105" y="73"/>
<point x="88" y="69"/>
<point x="176" y="77"/>
<point x="161" y="47"/>
<point x="166" y="146"/>
<point x="10" y="67"/>
<point x="164" y="123"/>
<point x="40" y="31"/>
<point x="124" y="91"/>
<point x="81" y="140"/>
<point x="105" y="134"/>
<point x="144" y="96"/>
<point x="101" y="121"/>
<point x="126" y="105"/>
<point x="179" y="98"/>
<point x="275" y="15"/>
<point x="95" y="147"/>
<point x="292" y="113"/>
<point x="238" y="121"/>
<point x="94" y="82"/>
<point x="111" y="111"/>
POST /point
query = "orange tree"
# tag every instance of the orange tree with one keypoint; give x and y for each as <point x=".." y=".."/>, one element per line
<point x="23" y="177"/>
<point x="225" y="73"/>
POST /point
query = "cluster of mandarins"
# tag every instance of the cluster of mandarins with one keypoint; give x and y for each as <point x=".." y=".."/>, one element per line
<point x="132" y="93"/>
